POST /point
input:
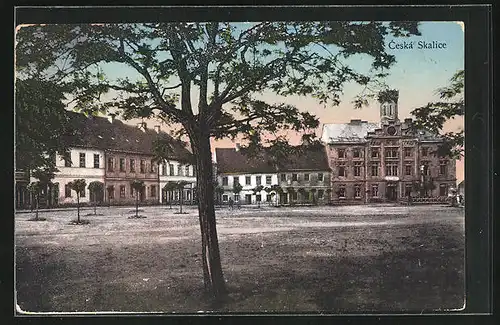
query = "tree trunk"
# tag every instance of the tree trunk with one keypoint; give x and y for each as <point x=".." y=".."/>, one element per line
<point x="95" y="204"/>
<point x="180" y="201"/>
<point x="78" y="207"/>
<point x="137" y="204"/>
<point x="36" y="213"/>
<point x="212" y="268"/>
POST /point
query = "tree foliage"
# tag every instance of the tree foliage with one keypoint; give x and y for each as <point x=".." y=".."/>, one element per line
<point x="434" y="115"/>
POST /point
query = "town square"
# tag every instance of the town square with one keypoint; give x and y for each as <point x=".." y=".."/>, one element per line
<point x="240" y="167"/>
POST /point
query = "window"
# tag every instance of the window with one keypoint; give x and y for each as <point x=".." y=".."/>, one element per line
<point x="268" y="197"/>
<point x="375" y="153"/>
<point x="224" y="181"/>
<point x="248" y="180"/>
<point x="295" y="196"/>
<point x="110" y="164"/>
<point x="186" y="170"/>
<point x="374" y="169"/>
<point x="132" y="192"/>
<point x="122" y="191"/>
<point x="122" y="164"/>
<point x="224" y="198"/>
<point x="391" y="152"/>
<point x="111" y="193"/>
<point x="408" y="152"/>
<point x="320" y="194"/>
<point x="236" y="180"/>
<point x="236" y="197"/>
<point x="96" y="160"/>
<point x="153" y="191"/>
<point x="408" y="190"/>
<point x="258" y="197"/>
<point x="152" y="166"/>
<point x="341" y="169"/>
<point x="391" y="169"/>
<point x="320" y="177"/>
<point x="171" y="169"/>
<point x="268" y="180"/>
<point x="356" y="153"/>
<point x="425" y="168"/>
<point x="82" y="193"/>
<point x="164" y="169"/>
<point x="179" y="170"/>
<point x="375" y="190"/>
<point x="443" y="167"/>
<point x="341" y="191"/>
<point x="258" y="180"/>
<point x="357" y="191"/>
<point x="283" y="177"/>
<point x="357" y="169"/>
<point x="67" y="191"/>
<point x="132" y="165"/>
<point x="306" y="177"/>
<point x="424" y="152"/>
<point x="295" y="177"/>
<point x="408" y="169"/>
<point x="142" y="166"/>
<point x="82" y="160"/>
<point x="341" y="153"/>
<point x="67" y="162"/>
<point x="443" y="190"/>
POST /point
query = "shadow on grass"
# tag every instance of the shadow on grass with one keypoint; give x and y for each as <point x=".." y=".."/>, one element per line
<point x="94" y="214"/>
<point x="133" y="211"/>
<point x="39" y="219"/>
<point x="81" y="222"/>
<point x="136" y="217"/>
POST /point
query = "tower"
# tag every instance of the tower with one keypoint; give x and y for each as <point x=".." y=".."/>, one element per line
<point x="388" y="100"/>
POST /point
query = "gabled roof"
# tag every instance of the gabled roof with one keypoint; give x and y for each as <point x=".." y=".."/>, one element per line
<point x="100" y="133"/>
<point x="347" y="132"/>
<point x="232" y="161"/>
<point x="357" y="130"/>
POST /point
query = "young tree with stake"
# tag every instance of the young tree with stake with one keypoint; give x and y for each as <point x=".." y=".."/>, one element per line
<point x="78" y="185"/>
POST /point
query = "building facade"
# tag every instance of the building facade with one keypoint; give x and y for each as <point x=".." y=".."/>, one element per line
<point x="386" y="161"/>
<point x="114" y="154"/>
<point x="302" y="178"/>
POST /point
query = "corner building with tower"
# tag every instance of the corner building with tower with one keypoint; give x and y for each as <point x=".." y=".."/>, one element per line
<point x="386" y="161"/>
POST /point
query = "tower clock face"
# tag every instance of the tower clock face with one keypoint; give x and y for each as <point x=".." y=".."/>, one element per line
<point x="391" y="130"/>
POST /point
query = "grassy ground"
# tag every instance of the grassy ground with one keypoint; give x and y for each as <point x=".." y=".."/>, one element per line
<point x="335" y="260"/>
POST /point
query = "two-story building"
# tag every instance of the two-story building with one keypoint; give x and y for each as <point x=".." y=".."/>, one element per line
<point x="115" y="154"/>
<point x="235" y="167"/>
<point x="385" y="161"/>
<point x="303" y="177"/>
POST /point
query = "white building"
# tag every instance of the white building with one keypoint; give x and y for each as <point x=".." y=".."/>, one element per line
<point x="87" y="164"/>
<point x="176" y="171"/>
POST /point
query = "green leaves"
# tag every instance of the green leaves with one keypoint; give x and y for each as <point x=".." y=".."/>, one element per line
<point x="78" y="185"/>
<point x="434" y="115"/>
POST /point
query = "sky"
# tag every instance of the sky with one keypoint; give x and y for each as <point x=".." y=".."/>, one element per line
<point x="417" y="74"/>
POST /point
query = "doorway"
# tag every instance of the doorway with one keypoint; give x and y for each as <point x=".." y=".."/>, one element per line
<point x="391" y="192"/>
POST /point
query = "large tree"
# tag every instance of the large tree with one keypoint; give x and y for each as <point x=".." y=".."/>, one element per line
<point x="434" y="115"/>
<point x="227" y="68"/>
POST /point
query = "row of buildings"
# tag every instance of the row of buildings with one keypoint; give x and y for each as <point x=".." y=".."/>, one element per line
<point x="359" y="162"/>
<point x="114" y="153"/>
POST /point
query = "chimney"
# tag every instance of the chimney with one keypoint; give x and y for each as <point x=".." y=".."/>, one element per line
<point x="356" y="121"/>
<point x="237" y="147"/>
<point x="157" y="128"/>
<point x="111" y="117"/>
<point x="408" y="120"/>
